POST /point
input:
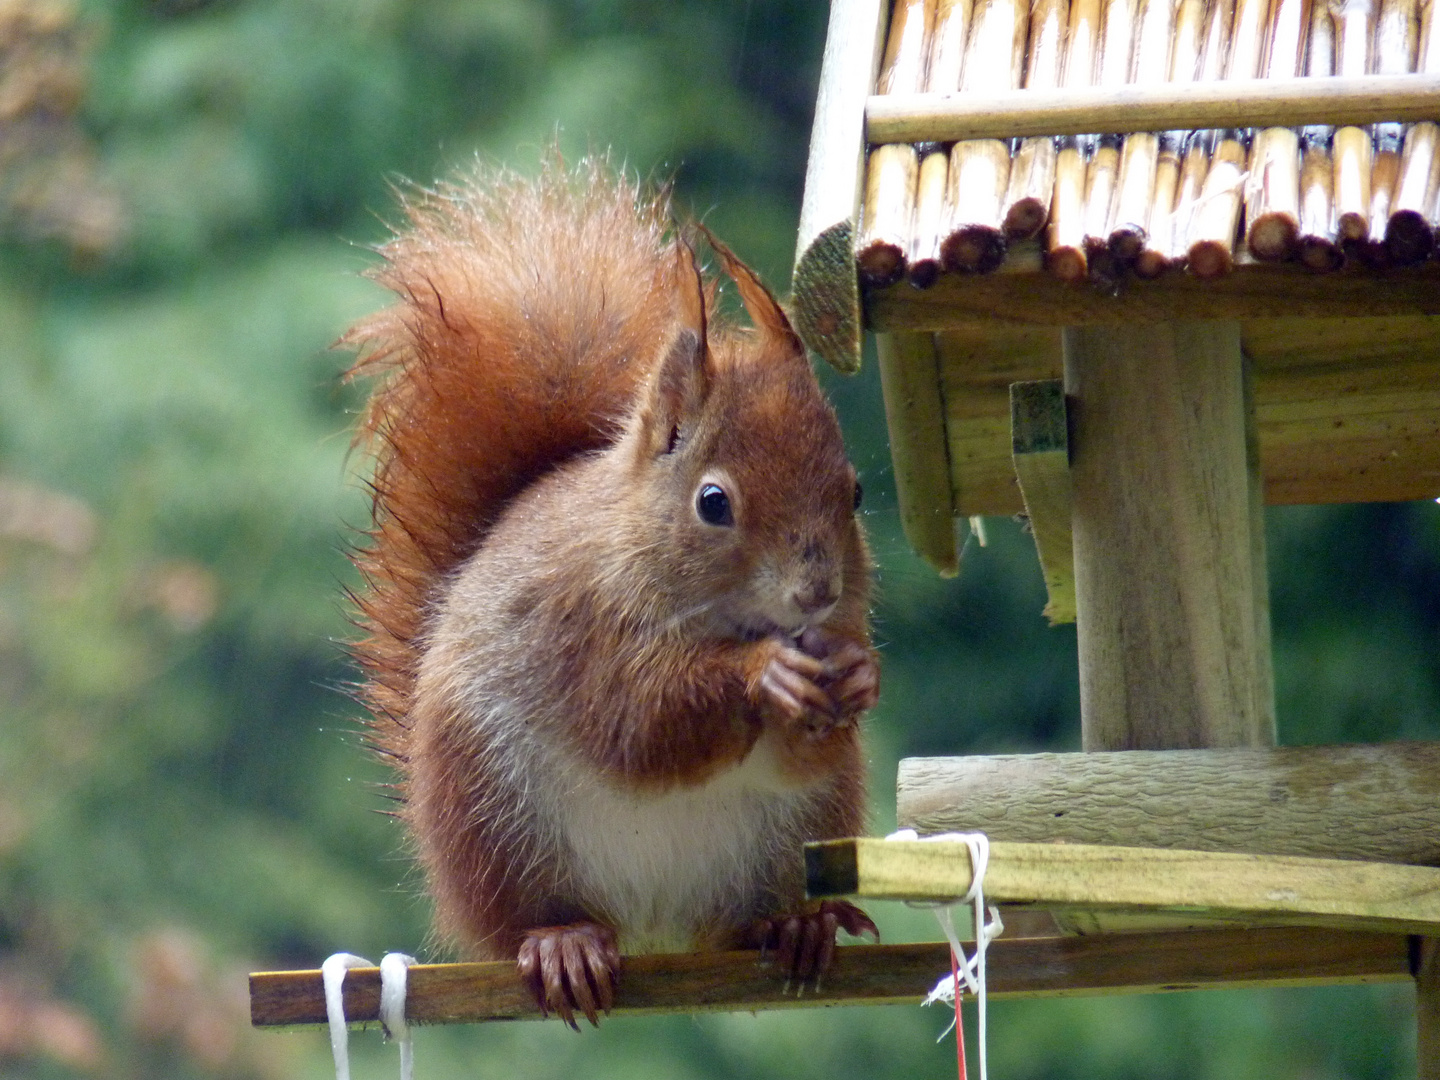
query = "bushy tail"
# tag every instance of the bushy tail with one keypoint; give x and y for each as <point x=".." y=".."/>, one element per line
<point x="528" y="313"/>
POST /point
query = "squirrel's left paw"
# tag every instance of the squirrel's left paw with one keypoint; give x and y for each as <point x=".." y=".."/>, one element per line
<point x="803" y="945"/>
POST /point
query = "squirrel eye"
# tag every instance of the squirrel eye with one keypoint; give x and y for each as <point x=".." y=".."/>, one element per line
<point x="859" y="494"/>
<point x="713" y="505"/>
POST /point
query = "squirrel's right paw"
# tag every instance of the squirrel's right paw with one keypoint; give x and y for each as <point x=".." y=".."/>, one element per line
<point x="571" y="967"/>
<point x="789" y="684"/>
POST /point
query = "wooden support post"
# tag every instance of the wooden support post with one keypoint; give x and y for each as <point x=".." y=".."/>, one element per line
<point x="1427" y="1007"/>
<point x="915" y="414"/>
<point x="1040" y="448"/>
<point x="1169" y="555"/>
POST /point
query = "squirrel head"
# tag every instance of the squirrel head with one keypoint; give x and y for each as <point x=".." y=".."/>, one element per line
<point x="737" y="458"/>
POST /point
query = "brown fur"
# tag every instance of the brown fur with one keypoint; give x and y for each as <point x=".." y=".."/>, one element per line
<point x="554" y="384"/>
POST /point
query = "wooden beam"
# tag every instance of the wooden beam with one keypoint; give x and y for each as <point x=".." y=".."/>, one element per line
<point x="1379" y="803"/>
<point x="915" y="416"/>
<point x="1040" y="449"/>
<point x="1250" y="291"/>
<point x="1257" y="889"/>
<point x="908" y="118"/>
<point x="1166" y="581"/>
<point x="825" y="287"/>
<point x="1426" y="956"/>
<point x="870" y="975"/>
<point x="1347" y="410"/>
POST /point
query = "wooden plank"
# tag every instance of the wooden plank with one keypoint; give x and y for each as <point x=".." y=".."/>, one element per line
<point x="1347" y="410"/>
<point x="826" y="289"/>
<point x="1040" y="449"/>
<point x="1166" y="581"/>
<point x="905" y="118"/>
<point x="1338" y="893"/>
<point x="871" y="975"/>
<point x="915" y="415"/>
<point x="1427" y="1006"/>
<point x="1379" y="803"/>
<point x="1250" y="291"/>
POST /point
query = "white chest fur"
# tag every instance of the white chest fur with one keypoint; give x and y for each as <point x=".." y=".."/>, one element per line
<point x="664" y="865"/>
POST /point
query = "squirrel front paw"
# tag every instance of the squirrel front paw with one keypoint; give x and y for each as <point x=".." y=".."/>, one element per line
<point x="803" y="944"/>
<point x="790" y="684"/>
<point x="571" y="967"/>
<point x="851" y="673"/>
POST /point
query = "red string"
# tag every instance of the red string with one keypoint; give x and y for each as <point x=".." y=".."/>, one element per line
<point x="959" y="1027"/>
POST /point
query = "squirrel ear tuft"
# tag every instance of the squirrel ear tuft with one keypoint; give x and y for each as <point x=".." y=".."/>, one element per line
<point x="765" y="311"/>
<point x="682" y="380"/>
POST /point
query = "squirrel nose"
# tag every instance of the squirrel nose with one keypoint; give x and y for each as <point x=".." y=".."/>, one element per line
<point x="815" y="596"/>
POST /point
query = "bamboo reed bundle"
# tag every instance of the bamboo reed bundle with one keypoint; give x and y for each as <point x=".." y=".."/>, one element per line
<point x="1272" y="190"/>
<point x="891" y="172"/>
<point x="947" y="46"/>
<point x="1032" y="170"/>
<point x="1154" y="255"/>
<point x="1353" y="146"/>
<point x="1117" y="49"/>
<point x="980" y="168"/>
<point x="1396" y="37"/>
<point x="1139" y="158"/>
<point x="887" y="222"/>
<point x="1217" y="215"/>
<point x="1415" y="210"/>
<point x="1160" y="248"/>
<point x="1319" y="232"/>
<point x="1065" y="247"/>
<point x="924" y="260"/>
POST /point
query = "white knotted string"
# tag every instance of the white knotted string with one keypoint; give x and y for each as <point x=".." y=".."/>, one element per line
<point x="972" y="969"/>
<point x="393" y="972"/>
<point x="394" y="969"/>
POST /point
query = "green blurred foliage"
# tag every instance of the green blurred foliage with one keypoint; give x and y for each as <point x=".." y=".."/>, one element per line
<point x="182" y="790"/>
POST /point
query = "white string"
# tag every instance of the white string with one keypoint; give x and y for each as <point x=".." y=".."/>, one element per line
<point x="332" y="974"/>
<point x="971" y="970"/>
<point x="393" y="977"/>
<point x="394" y="969"/>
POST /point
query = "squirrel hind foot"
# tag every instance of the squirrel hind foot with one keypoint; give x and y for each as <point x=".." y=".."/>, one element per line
<point x="803" y="944"/>
<point x="571" y="968"/>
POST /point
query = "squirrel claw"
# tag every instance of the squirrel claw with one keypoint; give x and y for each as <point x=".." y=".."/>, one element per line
<point x="804" y="944"/>
<point x="570" y="968"/>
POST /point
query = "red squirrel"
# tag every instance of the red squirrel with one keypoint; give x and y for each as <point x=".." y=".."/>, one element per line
<point x="615" y="598"/>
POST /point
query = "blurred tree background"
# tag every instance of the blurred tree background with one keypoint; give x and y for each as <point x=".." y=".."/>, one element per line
<point x="188" y="190"/>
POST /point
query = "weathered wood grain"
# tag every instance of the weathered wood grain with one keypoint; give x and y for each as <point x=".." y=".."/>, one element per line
<point x="871" y="975"/>
<point x="1347" y="410"/>
<point x="1166" y="581"/>
<point x="915" y="415"/>
<point x="1378" y="803"/>
<point x="1161" y="107"/>
<point x="1254" y="889"/>
<point x="1040" y="449"/>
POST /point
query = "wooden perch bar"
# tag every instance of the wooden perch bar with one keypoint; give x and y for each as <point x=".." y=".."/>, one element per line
<point x="871" y="975"/>
<point x="1377" y="803"/>
<point x="1074" y="111"/>
<point x="1259" y="889"/>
